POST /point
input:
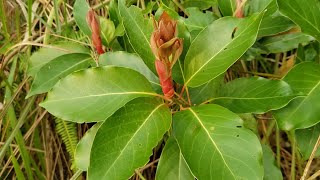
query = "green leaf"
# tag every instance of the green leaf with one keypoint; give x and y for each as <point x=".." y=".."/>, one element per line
<point x="271" y="171"/>
<point x="207" y="91"/>
<point x="256" y="6"/>
<point x="170" y="10"/>
<point x="218" y="46"/>
<point x="306" y="140"/>
<point x="197" y="20"/>
<point x="132" y="61"/>
<point x="201" y="4"/>
<point x="124" y="142"/>
<point x="5" y="47"/>
<point x="312" y="52"/>
<point x="47" y="54"/>
<point x="213" y="137"/>
<point x="139" y="32"/>
<point x="172" y="165"/>
<point x="56" y="69"/>
<point x="94" y="94"/>
<point x="272" y="22"/>
<point x="84" y="146"/>
<point x="254" y="95"/>
<point x="227" y="7"/>
<point x="303" y="13"/>
<point x="107" y="30"/>
<point x="80" y="11"/>
<point x="285" y="42"/>
<point x="250" y="122"/>
<point x="301" y="112"/>
<point x="275" y="25"/>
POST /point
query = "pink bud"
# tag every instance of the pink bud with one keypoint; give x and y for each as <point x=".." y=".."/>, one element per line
<point x="239" y="10"/>
<point x="95" y="29"/>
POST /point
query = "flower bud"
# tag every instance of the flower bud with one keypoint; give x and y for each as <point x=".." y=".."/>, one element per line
<point x="93" y="23"/>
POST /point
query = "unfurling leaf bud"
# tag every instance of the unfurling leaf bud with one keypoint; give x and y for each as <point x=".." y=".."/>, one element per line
<point x="167" y="48"/>
<point x="93" y="23"/>
<point x="164" y="41"/>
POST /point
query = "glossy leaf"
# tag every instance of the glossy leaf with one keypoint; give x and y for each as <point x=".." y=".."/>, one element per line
<point x="301" y="112"/>
<point x="218" y="46"/>
<point x="47" y="54"/>
<point x="139" y="32"/>
<point x="107" y="30"/>
<point x="285" y="42"/>
<point x="271" y="171"/>
<point x="213" y="137"/>
<point x="273" y="22"/>
<point x="207" y="91"/>
<point x="256" y="6"/>
<point x="80" y="11"/>
<point x="93" y="95"/>
<point x="56" y="69"/>
<point x="202" y="4"/>
<point x="169" y="10"/>
<point x="197" y="20"/>
<point x="303" y="13"/>
<point x="124" y="142"/>
<point x="227" y="7"/>
<point x="254" y="95"/>
<point x="250" y="122"/>
<point x="306" y="140"/>
<point x="82" y="153"/>
<point x="310" y="52"/>
<point x="172" y="165"/>
<point x="275" y="25"/>
<point x="132" y="61"/>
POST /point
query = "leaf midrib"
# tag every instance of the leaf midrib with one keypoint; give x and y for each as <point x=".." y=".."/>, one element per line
<point x="213" y="142"/>
<point x="152" y="112"/>
<point x="250" y="98"/>
<point x="106" y="94"/>
<point x="74" y="65"/>
<point x="210" y="59"/>
<point x="306" y="20"/>
<point x="133" y="20"/>
<point x="65" y="51"/>
<point x="300" y="104"/>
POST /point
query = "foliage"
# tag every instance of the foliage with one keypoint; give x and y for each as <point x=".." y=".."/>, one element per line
<point x="173" y="81"/>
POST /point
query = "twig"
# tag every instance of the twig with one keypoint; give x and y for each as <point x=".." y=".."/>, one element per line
<point x="149" y="165"/>
<point x="314" y="176"/>
<point x="293" y="155"/>
<point x="264" y="74"/>
<point x="140" y="175"/>
<point x="76" y="175"/>
<point x="306" y="169"/>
